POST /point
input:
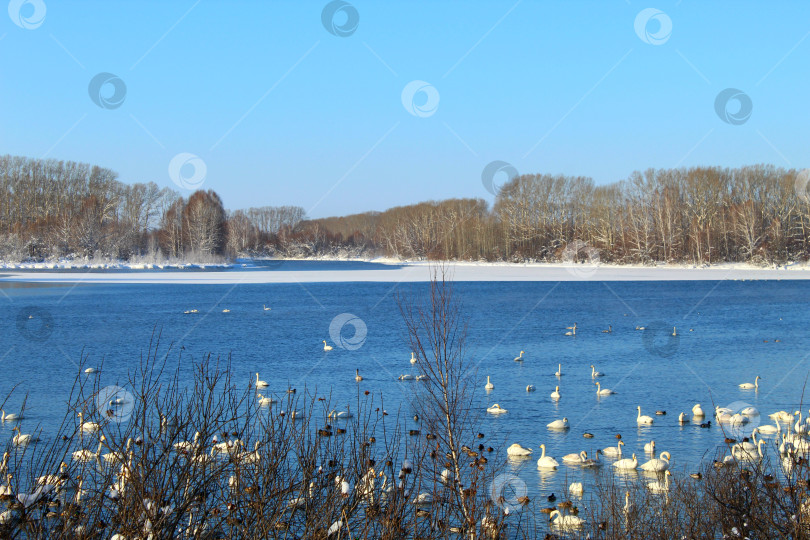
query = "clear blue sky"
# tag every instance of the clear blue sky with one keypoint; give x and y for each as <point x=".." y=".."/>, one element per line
<point x="283" y="112"/>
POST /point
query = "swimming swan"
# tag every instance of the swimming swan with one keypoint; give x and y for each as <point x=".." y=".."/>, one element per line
<point x="750" y="386"/>
<point x="650" y="447"/>
<point x="614" y="450"/>
<point x="517" y="450"/>
<point x="626" y="464"/>
<point x="546" y="462"/>
<point x="573" y="329"/>
<point x="643" y="420"/>
<point x="595" y="373"/>
<point x="565" y="522"/>
<point x="530" y="388"/>
<point x="357" y="376"/>
<point x="555" y="395"/>
<point x="519" y="358"/>
<point x="697" y="411"/>
<point x="603" y="391"/>
<point x="558" y="424"/>
<point x="656" y="464"/>
<point x="325" y="346"/>
<point x="489" y="385"/>
<point x="10" y="417"/>
<point x="496" y="409"/>
<point x="575" y="458"/>
<point x="413" y="358"/>
<point x="559" y="371"/>
<point x="260" y="383"/>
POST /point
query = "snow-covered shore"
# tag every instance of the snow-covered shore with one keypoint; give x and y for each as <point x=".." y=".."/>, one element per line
<point x="390" y="271"/>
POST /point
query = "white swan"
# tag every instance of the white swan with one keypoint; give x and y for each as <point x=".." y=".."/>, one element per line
<point x="91" y="370"/>
<point x="575" y="458"/>
<point x="87" y="427"/>
<point x="747" y="446"/>
<point x="603" y="391"/>
<point x="565" y="522"/>
<point x="614" y="451"/>
<point x="674" y="331"/>
<point x="650" y="447"/>
<point x="573" y="329"/>
<point x="682" y="418"/>
<point x="768" y="429"/>
<point x="750" y="411"/>
<point x="559" y="371"/>
<point x="340" y="414"/>
<point x="185" y="446"/>
<point x="357" y="376"/>
<point x="10" y="417"/>
<point x="558" y="424"/>
<point x="781" y="416"/>
<point x="22" y="439"/>
<point x="576" y="489"/>
<point x="517" y="450"/>
<point x="751" y="386"/>
<point x="595" y="373"/>
<point x="626" y="464"/>
<point x="114" y="458"/>
<point x="657" y="464"/>
<point x="555" y="395"/>
<point x="660" y="487"/>
<point x="405" y="377"/>
<point x="748" y="455"/>
<point x="326" y="347"/>
<point x="546" y="462"/>
<point x="643" y="420"/>
<point x="489" y="385"/>
<point x="413" y="358"/>
<point x="519" y="358"/>
<point x="530" y="388"/>
<point x="260" y="383"/>
<point x="85" y="455"/>
<point x="265" y="308"/>
<point x="697" y="411"/>
<point x="6" y="491"/>
<point x="496" y="409"/>
<point x="226" y="310"/>
<point x="265" y="401"/>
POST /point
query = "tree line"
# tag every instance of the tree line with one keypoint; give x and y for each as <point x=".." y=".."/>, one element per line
<point x="758" y="214"/>
<point x="54" y="209"/>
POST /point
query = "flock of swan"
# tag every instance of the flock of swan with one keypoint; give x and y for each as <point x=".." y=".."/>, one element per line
<point x="749" y="450"/>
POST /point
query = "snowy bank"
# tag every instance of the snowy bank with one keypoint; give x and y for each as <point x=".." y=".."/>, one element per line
<point x="400" y="271"/>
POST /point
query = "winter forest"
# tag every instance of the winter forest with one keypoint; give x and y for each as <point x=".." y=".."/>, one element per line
<point x="760" y="214"/>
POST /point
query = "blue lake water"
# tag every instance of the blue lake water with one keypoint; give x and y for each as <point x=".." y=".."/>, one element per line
<point x="734" y="326"/>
